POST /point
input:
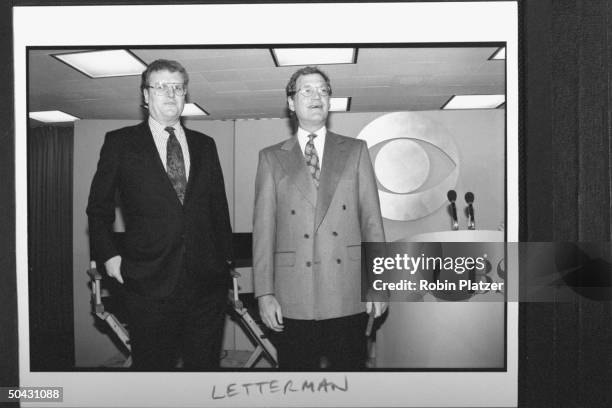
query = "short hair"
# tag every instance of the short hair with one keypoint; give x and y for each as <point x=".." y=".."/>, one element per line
<point x="290" y="88"/>
<point x="163" y="65"/>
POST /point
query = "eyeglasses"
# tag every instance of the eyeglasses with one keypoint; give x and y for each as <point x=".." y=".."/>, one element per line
<point x="309" y="91"/>
<point x="161" y="89"/>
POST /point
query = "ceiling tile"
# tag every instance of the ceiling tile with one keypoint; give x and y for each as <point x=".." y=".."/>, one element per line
<point x="244" y="83"/>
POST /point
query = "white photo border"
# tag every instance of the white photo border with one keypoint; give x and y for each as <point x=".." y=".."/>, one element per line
<point x="239" y="24"/>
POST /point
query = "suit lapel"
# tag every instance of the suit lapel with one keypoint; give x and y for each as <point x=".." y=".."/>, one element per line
<point x="152" y="156"/>
<point x="291" y="159"/>
<point x="147" y="144"/>
<point x="195" y="159"/>
<point x="334" y="159"/>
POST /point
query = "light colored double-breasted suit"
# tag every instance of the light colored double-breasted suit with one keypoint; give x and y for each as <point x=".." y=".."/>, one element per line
<point x="307" y="241"/>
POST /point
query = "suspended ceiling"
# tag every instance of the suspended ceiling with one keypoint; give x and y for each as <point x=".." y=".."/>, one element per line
<point x="244" y="83"/>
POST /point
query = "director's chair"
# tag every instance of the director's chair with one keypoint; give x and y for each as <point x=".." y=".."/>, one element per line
<point x="263" y="346"/>
<point x="98" y="307"/>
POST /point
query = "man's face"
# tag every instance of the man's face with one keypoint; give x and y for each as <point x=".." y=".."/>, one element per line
<point x="166" y="108"/>
<point x="311" y="111"/>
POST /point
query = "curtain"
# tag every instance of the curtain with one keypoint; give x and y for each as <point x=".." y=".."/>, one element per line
<point x="50" y="181"/>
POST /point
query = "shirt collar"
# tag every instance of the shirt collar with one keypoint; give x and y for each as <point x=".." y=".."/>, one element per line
<point x="159" y="128"/>
<point x="304" y="134"/>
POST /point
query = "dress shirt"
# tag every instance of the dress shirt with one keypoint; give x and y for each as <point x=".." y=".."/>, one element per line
<point x="319" y="142"/>
<point x="160" y="137"/>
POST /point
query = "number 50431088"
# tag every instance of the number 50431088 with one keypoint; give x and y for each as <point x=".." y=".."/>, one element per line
<point x="31" y="394"/>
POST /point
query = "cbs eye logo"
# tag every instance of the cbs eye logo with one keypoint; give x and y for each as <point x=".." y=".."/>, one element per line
<point x="416" y="162"/>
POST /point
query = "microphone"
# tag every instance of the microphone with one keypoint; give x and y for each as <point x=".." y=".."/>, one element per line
<point x="469" y="198"/>
<point x="452" y="196"/>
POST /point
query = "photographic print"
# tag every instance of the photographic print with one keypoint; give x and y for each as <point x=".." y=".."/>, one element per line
<point x="430" y="89"/>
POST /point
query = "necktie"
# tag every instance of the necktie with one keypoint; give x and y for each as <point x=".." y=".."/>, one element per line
<point x="312" y="159"/>
<point x="175" y="164"/>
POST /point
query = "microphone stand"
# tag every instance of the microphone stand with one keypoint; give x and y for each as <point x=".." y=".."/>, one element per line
<point x="469" y="198"/>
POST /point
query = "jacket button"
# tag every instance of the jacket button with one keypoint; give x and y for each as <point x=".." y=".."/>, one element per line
<point x="306" y="236"/>
<point x="335" y="234"/>
<point x="292" y="212"/>
<point x="343" y="207"/>
<point x="339" y="260"/>
<point x="308" y="264"/>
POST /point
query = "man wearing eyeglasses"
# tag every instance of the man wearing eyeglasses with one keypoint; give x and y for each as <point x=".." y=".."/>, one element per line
<point x="172" y="262"/>
<point x="315" y="202"/>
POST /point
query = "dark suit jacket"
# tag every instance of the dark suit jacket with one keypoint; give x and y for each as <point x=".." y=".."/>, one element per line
<point x="163" y="238"/>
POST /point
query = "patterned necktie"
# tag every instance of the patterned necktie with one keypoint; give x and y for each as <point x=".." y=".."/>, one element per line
<point x="175" y="164"/>
<point x="312" y="159"/>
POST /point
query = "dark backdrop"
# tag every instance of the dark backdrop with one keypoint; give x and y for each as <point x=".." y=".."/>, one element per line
<point x="565" y="350"/>
<point x="50" y="185"/>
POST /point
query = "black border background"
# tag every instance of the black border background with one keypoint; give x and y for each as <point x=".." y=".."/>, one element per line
<point x="9" y="373"/>
<point x="565" y="350"/>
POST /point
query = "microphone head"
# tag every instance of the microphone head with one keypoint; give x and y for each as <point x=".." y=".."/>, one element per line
<point x="451" y="195"/>
<point x="469" y="197"/>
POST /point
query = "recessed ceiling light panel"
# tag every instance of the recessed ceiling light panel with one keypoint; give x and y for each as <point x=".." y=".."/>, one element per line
<point x="313" y="56"/>
<point x="474" y="102"/>
<point x="340" y="104"/>
<point x="54" y="116"/>
<point x="193" y="109"/>
<point x="500" y="54"/>
<point x="104" y="63"/>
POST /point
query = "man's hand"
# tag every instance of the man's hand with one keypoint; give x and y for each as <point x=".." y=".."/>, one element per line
<point x="379" y="308"/>
<point x="270" y="312"/>
<point x="113" y="268"/>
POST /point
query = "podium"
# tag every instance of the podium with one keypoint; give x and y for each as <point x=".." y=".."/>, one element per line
<point x="458" y="236"/>
<point x="432" y="332"/>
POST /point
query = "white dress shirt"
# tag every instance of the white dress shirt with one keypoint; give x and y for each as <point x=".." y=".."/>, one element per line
<point x="160" y="137"/>
<point x="319" y="142"/>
